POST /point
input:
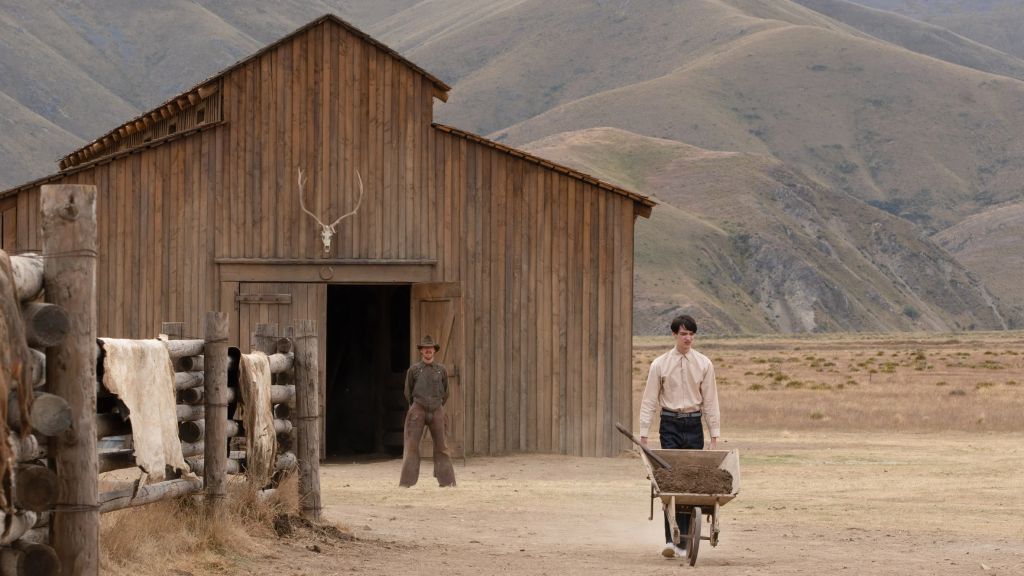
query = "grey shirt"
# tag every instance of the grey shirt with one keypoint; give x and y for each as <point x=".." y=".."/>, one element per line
<point x="427" y="383"/>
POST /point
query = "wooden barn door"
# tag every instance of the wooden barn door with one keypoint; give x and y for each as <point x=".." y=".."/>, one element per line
<point x="437" y="310"/>
<point x="283" y="304"/>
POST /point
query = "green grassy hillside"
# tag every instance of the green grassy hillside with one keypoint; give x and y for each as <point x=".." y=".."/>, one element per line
<point x="748" y="245"/>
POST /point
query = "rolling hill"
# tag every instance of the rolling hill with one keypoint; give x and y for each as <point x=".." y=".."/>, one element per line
<point x="920" y="37"/>
<point x="877" y="130"/>
<point x="106" y="61"/>
<point x="746" y="244"/>
<point x="989" y="244"/>
<point x="994" y="23"/>
<point x="925" y="139"/>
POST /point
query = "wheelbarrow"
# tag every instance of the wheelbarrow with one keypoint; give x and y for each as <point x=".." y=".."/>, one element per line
<point x="697" y="505"/>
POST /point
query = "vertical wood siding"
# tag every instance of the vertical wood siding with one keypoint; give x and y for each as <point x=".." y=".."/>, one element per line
<point x="545" y="259"/>
<point x="324" y="101"/>
<point x="547" y="262"/>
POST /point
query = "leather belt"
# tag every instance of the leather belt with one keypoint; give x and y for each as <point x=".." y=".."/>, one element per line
<point x="671" y="414"/>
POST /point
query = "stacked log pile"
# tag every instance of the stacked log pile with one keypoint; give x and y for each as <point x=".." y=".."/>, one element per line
<point x="192" y="426"/>
<point x="41" y="401"/>
<point x="57" y="410"/>
<point x="32" y="416"/>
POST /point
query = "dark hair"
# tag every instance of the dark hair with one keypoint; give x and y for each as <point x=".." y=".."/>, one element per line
<point x="686" y="321"/>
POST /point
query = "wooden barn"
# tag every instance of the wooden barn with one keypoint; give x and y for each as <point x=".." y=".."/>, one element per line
<point x="522" y="269"/>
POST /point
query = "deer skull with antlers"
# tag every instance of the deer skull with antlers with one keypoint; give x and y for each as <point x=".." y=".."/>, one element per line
<point x="326" y="232"/>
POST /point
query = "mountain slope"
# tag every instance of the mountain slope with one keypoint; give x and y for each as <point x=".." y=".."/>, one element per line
<point x="106" y="61"/>
<point x="746" y="244"/>
<point x="920" y="37"/>
<point x="537" y="55"/>
<point x="31" y="152"/>
<point x="990" y="244"/>
<point x="994" y="23"/>
<point x="67" y="94"/>
<point x="924" y="139"/>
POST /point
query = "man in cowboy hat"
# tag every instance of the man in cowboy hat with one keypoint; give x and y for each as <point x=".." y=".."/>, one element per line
<point x="426" y="389"/>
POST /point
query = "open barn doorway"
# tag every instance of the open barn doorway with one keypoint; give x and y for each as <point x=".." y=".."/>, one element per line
<point x="367" y="357"/>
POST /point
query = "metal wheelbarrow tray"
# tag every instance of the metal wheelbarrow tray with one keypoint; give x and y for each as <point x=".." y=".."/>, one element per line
<point x="697" y="505"/>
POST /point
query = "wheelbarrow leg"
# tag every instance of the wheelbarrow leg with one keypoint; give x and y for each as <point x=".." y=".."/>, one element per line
<point x="670" y="513"/>
<point x="714" y="526"/>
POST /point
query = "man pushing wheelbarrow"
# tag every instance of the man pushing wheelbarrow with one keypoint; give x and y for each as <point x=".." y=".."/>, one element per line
<point x="681" y="384"/>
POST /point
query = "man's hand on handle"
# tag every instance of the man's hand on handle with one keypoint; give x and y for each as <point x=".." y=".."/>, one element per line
<point x="643" y="440"/>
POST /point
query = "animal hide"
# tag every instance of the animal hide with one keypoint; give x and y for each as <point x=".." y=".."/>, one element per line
<point x="258" y="417"/>
<point x="140" y="373"/>
<point x="13" y="354"/>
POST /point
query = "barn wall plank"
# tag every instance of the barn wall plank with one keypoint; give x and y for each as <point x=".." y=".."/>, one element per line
<point x="544" y="258"/>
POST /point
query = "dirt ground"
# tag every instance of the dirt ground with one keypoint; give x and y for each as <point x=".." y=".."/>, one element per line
<point x="810" y="502"/>
<point x="859" y="454"/>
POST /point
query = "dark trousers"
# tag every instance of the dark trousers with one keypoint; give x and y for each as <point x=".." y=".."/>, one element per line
<point x="680" y="434"/>
<point x="415" y="421"/>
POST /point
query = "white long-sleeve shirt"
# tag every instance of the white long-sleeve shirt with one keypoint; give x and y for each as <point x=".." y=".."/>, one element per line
<point x="681" y="383"/>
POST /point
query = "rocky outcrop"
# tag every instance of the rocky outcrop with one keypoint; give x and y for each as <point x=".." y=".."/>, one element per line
<point x="747" y="244"/>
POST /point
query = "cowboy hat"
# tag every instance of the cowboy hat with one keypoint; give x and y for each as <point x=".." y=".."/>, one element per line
<point x="428" y="342"/>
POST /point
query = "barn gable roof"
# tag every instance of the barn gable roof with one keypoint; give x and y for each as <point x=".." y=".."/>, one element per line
<point x="93" y="153"/>
<point x="644" y="200"/>
<point x="94" y="149"/>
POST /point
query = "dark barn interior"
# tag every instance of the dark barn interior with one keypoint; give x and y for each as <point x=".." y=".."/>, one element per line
<point x="367" y="357"/>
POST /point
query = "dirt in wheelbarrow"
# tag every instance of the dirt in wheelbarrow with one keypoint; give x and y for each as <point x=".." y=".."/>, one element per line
<point x="692" y="479"/>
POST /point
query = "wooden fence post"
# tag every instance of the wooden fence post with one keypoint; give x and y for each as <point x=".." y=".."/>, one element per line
<point x="215" y="384"/>
<point x="308" y="433"/>
<point x="68" y="225"/>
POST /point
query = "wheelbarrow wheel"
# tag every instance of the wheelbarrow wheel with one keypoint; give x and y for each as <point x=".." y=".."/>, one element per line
<point x="694" y="543"/>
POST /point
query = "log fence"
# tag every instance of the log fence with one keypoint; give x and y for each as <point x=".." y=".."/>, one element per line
<point x="58" y="411"/>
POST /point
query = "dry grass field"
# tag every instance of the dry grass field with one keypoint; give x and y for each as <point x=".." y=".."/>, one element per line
<point x="856" y="491"/>
<point x="968" y="382"/>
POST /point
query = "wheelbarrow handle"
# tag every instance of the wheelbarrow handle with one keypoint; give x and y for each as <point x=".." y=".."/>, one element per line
<point x="646" y="450"/>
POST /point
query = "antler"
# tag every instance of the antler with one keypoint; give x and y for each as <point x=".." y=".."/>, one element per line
<point x="357" y="203"/>
<point x="303" y="205"/>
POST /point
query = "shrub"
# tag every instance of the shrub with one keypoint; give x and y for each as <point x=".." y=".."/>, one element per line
<point x="816" y="415"/>
<point x="755" y="387"/>
<point x="911" y="312"/>
<point x="794" y="384"/>
<point x="1011" y="383"/>
<point x="957" y="392"/>
<point x="981" y="385"/>
<point x="941" y="383"/>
